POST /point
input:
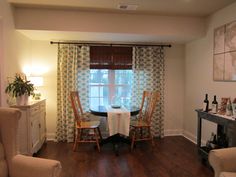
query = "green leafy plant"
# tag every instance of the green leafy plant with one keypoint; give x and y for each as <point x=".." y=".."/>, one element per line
<point x="20" y="86"/>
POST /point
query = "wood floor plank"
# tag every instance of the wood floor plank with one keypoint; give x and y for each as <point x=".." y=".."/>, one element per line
<point x="170" y="157"/>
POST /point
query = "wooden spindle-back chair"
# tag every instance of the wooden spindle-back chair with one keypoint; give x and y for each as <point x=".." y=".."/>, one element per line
<point x="83" y="123"/>
<point x="148" y="105"/>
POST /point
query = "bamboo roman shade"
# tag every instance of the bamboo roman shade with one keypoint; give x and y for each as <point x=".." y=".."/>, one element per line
<point x="110" y="57"/>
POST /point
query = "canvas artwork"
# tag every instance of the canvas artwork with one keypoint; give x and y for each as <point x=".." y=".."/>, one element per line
<point x="218" y="67"/>
<point x="219" y="42"/>
<point x="224" y="59"/>
<point x="230" y="37"/>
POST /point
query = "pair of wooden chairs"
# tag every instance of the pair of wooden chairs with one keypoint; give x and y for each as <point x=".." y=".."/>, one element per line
<point x="138" y="126"/>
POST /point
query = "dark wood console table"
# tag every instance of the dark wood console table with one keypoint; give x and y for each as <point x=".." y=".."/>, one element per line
<point x="225" y="125"/>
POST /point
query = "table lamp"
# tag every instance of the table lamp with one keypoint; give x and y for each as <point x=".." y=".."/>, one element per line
<point x="38" y="82"/>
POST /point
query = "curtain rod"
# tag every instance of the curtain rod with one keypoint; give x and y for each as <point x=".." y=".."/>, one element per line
<point x="107" y="44"/>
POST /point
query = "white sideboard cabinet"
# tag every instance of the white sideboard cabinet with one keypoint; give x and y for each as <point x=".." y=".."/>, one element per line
<point x="32" y="127"/>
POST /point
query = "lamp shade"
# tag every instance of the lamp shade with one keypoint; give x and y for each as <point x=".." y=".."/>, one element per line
<point x="36" y="80"/>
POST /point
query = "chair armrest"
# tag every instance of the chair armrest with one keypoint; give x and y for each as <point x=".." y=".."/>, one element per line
<point x="223" y="160"/>
<point x="25" y="166"/>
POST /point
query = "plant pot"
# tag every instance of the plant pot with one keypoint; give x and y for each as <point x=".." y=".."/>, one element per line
<point x="22" y="100"/>
<point x="26" y="99"/>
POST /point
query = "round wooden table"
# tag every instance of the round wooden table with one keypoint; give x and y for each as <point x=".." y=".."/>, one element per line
<point x="116" y="139"/>
<point x="102" y="111"/>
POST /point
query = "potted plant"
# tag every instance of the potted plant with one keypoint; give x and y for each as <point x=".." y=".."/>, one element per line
<point x="20" y="88"/>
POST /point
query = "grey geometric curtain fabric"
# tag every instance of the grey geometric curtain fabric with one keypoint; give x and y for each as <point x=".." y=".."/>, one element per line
<point x="148" y="74"/>
<point x="72" y="74"/>
<point x="83" y="76"/>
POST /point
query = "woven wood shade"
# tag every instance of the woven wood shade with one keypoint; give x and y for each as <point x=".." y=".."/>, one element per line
<point x="110" y="57"/>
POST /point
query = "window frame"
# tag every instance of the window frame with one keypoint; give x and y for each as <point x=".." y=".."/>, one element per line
<point x="111" y="88"/>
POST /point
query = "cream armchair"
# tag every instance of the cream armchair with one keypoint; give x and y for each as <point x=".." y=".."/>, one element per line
<point x="16" y="165"/>
<point x="223" y="161"/>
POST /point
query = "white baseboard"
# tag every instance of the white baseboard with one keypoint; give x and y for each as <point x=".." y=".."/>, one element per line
<point x="51" y="137"/>
<point x="180" y="132"/>
<point x="191" y="137"/>
<point x="176" y="132"/>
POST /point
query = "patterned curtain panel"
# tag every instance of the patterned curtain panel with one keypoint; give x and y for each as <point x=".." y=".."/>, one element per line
<point x="148" y="69"/>
<point x="72" y="74"/>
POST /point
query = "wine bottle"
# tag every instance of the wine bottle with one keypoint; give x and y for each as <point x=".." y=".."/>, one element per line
<point x="229" y="108"/>
<point x="206" y="104"/>
<point x="214" y="105"/>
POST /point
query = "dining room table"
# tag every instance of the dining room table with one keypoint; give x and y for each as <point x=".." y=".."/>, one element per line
<point x="118" y="118"/>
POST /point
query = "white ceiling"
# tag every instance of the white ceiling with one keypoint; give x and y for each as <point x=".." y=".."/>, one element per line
<point x="162" y="7"/>
<point x="193" y="8"/>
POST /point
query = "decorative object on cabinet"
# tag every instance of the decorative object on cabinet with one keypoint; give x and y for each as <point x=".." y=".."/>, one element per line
<point x="32" y="127"/>
<point x="229" y="111"/>
<point x="223" y="105"/>
<point x="224" y="59"/>
<point x="20" y="88"/>
<point x="234" y="107"/>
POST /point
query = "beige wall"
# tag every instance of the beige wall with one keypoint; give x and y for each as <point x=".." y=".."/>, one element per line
<point x="15" y="48"/>
<point x="1" y="57"/>
<point x="162" y="28"/>
<point x="45" y="55"/>
<point x="174" y="90"/>
<point x="199" y="74"/>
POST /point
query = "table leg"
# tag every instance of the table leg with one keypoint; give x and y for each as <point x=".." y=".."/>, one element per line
<point x="199" y="131"/>
<point x="116" y="140"/>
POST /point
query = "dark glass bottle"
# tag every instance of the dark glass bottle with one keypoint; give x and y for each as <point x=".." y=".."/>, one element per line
<point x="214" y="105"/>
<point x="206" y="104"/>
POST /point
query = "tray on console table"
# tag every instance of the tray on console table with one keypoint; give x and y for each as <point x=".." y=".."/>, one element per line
<point x="225" y="124"/>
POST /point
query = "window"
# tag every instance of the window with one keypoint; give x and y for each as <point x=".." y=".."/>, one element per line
<point x="110" y="75"/>
<point x="107" y="85"/>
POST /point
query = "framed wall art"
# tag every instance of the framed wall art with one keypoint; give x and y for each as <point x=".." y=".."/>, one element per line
<point x="224" y="54"/>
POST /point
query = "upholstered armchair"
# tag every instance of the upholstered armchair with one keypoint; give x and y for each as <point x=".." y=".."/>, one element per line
<point x="223" y="161"/>
<point x="13" y="164"/>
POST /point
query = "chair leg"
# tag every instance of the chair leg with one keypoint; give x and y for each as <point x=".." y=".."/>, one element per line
<point x="75" y="133"/>
<point x="77" y="139"/>
<point x="150" y="135"/>
<point x="99" y="132"/>
<point x="81" y="134"/>
<point x="96" y="137"/>
<point x="133" y="139"/>
<point x="141" y="132"/>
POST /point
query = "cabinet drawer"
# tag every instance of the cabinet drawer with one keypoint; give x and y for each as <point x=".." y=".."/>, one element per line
<point x="35" y="110"/>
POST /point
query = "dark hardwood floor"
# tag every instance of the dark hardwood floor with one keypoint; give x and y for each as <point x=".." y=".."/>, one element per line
<point x="171" y="157"/>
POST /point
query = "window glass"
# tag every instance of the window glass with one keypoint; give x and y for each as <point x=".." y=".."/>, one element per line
<point x="123" y="77"/>
<point x="99" y="76"/>
<point x="107" y="84"/>
<point x="94" y="91"/>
